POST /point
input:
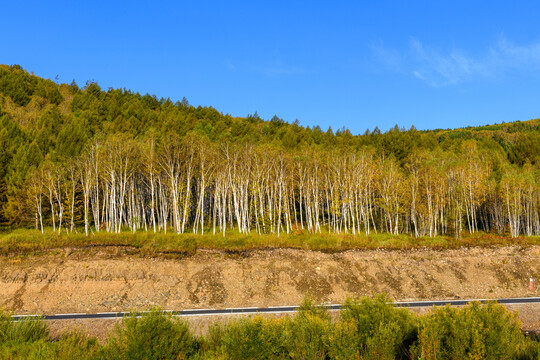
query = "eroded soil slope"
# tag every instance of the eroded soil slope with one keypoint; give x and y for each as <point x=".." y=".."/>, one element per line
<point x="109" y="280"/>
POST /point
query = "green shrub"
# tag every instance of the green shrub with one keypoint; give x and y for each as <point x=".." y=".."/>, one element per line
<point x="344" y="341"/>
<point x="153" y="335"/>
<point x="368" y="329"/>
<point x="74" y="345"/>
<point x="307" y="335"/>
<point x="380" y="327"/>
<point x="212" y="343"/>
<point x="71" y="345"/>
<point x="474" y="332"/>
<point x="530" y="349"/>
<point x="23" y="339"/>
<point x="254" y="338"/>
<point x="26" y="330"/>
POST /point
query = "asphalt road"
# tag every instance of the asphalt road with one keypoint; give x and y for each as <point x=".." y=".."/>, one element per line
<point x="268" y="310"/>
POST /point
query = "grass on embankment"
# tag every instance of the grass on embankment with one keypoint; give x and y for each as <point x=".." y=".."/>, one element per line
<point x="32" y="242"/>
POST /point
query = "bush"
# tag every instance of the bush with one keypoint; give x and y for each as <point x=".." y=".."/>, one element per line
<point x="307" y="335"/>
<point x="529" y="351"/>
<point x="26" y="330"/>
<point x="254" y="338"/>
<point x="21" y="339"/>
<point x="474" y="332"/>
<point x="212" y="343"/>
<point x="73" y="345"/>
<point x="153" y="335"/>
<point x="344" y="341"/>
<point x="380" y="327"/>
<point x="368" y="329"/>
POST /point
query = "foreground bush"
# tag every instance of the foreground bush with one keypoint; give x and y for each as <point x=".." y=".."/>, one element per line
<point x="151" y="336"/>
<point x="18" y="338"/>
<point x="374" y="329"/>
<point x="366" y="329"/>
<point x="21" y="331"/>
<point x="255" y="338"/>
<point x="382" y="330"/>
<point x="474" y="332"/>
<point x="30" y="339"/>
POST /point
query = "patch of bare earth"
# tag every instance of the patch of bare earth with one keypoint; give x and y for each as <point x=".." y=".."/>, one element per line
<point x="109" y="280"/>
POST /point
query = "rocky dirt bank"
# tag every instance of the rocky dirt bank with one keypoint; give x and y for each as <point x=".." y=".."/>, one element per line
<point x="108" y="280"/>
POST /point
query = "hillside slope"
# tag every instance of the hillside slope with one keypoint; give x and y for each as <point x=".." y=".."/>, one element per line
<point x="91" y="159"/>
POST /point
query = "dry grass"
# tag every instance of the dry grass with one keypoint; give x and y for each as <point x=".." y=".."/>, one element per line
<point x="32" y="242"/>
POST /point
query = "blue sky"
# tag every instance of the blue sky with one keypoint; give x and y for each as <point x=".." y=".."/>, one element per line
<point x="356" y="64"/>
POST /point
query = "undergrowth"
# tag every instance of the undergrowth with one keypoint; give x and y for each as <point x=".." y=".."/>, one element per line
<point x="366" y="329"/>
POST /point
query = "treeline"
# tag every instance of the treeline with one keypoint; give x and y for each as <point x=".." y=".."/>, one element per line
<point x="192" y="185"/>
<point x="365" y="329"/>
<point x="93" y="160"/>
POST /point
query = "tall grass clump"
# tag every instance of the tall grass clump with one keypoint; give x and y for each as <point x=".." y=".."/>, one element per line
<point x="26" y="330"/>
<point x="30" y="339"/>
<point x="20" y="340"/>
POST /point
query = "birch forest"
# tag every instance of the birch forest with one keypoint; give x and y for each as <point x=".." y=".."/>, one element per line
<point x="92" y="160"/>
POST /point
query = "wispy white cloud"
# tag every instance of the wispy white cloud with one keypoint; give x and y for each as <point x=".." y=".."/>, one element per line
<point x="271" y="69"/>
<point x="229" y="65"/>
<point x="443" y="68"/>
<point x="279" y="68"/>
<point x="388" y="56"/>
<point x="282" y="70"/>
<point x="512" y="55"/>
<point x="438" y="69"/>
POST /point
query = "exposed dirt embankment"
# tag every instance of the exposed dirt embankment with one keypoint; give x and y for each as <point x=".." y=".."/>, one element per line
<point x="108" y="280"/>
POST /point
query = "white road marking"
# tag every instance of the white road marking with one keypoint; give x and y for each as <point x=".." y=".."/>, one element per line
<point x="275" y="309"/>
<point x="71" y="314"/>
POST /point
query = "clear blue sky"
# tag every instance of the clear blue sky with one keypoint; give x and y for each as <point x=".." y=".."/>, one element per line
<point x="358" y="64"/>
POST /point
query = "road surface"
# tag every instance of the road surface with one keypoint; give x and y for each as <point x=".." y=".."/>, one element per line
<point x="269" y="310"/>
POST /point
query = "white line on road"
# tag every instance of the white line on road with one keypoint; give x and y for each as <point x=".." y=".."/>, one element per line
<point x="272" y="310"/>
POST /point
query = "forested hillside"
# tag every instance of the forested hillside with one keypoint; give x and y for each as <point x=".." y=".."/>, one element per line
<point x="93" y="160"/>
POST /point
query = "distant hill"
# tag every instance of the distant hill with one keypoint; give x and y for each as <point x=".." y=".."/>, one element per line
<point x="44" y="109"/>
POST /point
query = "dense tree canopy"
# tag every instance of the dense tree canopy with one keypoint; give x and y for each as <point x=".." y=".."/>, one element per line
<point x="112" y="159"/>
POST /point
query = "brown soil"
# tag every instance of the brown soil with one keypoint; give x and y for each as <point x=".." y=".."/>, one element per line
<point x="108" y="280"/>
